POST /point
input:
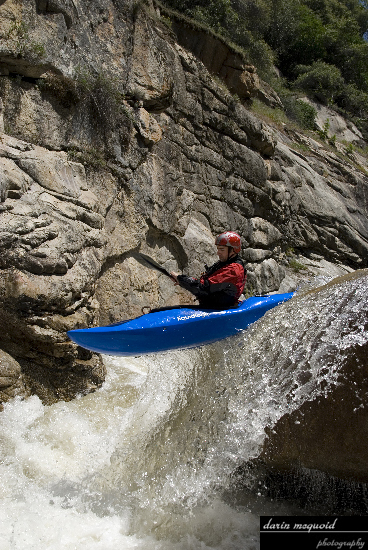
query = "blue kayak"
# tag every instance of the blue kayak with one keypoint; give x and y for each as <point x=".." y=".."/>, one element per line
<point x="174" y="328"/>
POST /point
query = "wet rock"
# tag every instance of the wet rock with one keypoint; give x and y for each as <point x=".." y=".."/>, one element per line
<point x="11" y="379"/>
<point x="327" y="432"/>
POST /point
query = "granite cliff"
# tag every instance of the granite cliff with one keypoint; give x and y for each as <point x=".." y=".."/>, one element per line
<point x="123" y="133"/>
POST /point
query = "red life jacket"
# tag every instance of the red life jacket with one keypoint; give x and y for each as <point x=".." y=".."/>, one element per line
<point x="222" y="274"/>
<point x="220" y="286"/>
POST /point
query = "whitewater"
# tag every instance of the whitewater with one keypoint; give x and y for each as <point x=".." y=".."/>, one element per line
<point x="148" y="460"/>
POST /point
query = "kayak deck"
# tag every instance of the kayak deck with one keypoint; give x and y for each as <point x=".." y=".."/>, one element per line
<point x="174" y="328"/>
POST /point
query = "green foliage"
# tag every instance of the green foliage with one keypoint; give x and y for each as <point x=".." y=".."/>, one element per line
<point x="300" y="111"/>
<point x="353" y="62"/>
<point x="354" y="101"/>
<point x="64" y="89"/>
<point x="89" y="156"/>
<point x="323" y="134"/>
<point x="296" y="34"/>
<point x="269" y="114"/>
<point x="249" y="291"/>
<point x="255" y="15"/>
<point x="332" y="140"/>
<point x="219" y="17"/>
<point x="167" y="21"/>
<point x="320" y="79"/>
<point x="319" y="45"/>
<point x="296" y="266"/>
<point x="349" y="149"/>
<point x="309" y="43"/>
<point x="332" y="11"/>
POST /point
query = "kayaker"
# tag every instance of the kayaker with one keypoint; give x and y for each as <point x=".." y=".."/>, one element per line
<point x="221" y="285"/>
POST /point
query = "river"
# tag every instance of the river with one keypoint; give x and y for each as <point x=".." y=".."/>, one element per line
<point x="146" y="462"/>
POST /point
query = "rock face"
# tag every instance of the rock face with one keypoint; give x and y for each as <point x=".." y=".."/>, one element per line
<point x="51" y="234"/>
<point x="117" y="138"/>
<point x="11" y="379"/>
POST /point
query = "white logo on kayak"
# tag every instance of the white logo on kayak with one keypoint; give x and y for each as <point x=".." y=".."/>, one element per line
<point x="199" y="314"/>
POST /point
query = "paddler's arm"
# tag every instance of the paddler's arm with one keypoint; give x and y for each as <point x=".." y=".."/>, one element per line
<point x="220" y="295"/>
<point x="200" y="290"/>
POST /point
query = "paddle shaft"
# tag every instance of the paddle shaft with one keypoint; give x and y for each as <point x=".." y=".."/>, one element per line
<point x="154" y="265"/>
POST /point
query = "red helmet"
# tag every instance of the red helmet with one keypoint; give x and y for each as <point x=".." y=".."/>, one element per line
<point x="229" y="238"/>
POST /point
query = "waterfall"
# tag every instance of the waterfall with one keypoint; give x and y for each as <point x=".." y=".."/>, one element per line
<point x="147" y="461"/>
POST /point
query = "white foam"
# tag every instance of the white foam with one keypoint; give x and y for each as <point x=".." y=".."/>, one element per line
<point x="141" y="463"/>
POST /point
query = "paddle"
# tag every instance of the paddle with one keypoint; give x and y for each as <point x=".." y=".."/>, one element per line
<point x="149" y="262"/>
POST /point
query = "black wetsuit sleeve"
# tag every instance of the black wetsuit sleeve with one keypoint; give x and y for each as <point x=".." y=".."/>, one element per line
<point x="194" y="286"/>
<point x="218" y="295"/>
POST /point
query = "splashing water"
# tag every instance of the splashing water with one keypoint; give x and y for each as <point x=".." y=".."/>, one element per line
<point x="144" y="462"/>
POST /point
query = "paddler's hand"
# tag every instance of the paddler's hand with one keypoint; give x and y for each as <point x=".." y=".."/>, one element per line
<point x="174" y="277"/>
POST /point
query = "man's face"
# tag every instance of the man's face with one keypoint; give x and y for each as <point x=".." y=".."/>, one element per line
<point x="222" y="253"/>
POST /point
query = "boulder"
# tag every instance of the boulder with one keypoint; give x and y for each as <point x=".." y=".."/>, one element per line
<point x="262" y="234"/>
<point x="265" y="277"/>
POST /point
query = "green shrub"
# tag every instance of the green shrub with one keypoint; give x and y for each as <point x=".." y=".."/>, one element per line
<point x="353" y="100"/>
<point x="97" y="95"/>
<point x="296" y="266"/>
<point x="349" y="149"/>
<point x="300" y="111"/>
<point x="352" y="60"/>
<point x="332" y="140"/>
<point x="259" y="54"/>
<point x="101" y="93"/>
<point x="89" y="156"/>
<point x="323" y="134"/>
<point x="320" y="79"/>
